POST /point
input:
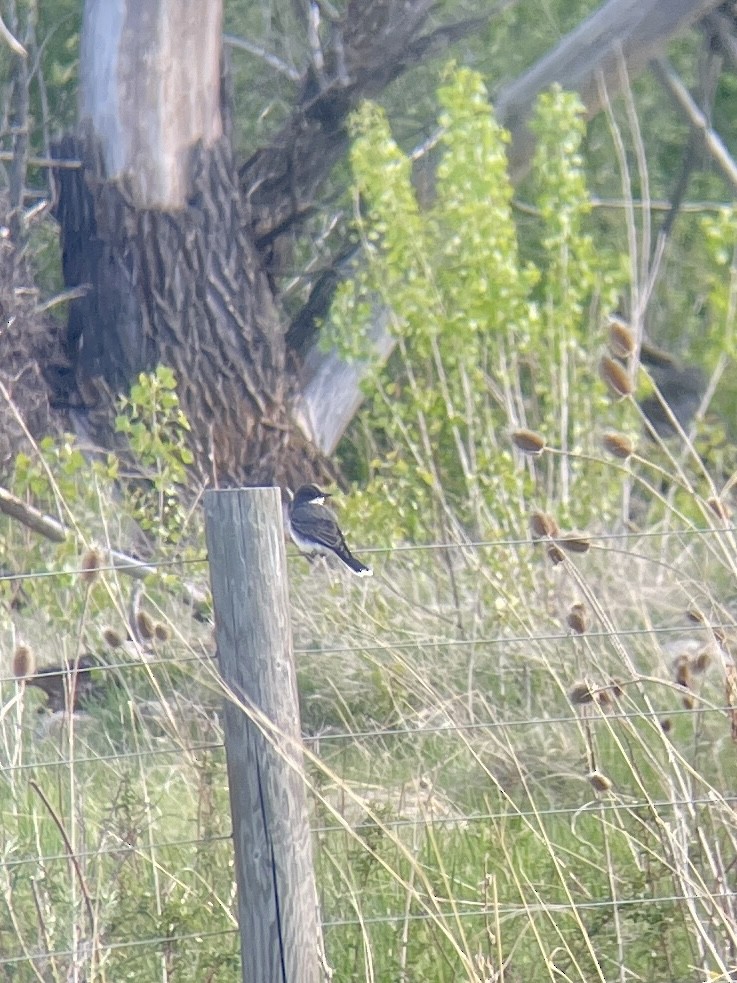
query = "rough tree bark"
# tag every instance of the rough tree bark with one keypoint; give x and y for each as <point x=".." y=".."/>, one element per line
<point x="156" y="226"/>
<point x="175" y="242"/>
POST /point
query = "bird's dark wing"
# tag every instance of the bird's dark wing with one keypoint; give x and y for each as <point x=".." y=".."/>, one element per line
<point x="317" y="523"/>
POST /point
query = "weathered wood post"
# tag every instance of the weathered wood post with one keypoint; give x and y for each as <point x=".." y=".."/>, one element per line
<point x="273" y="856"/>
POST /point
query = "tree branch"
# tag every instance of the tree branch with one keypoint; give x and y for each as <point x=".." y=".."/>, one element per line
<point x="712" y="141"/>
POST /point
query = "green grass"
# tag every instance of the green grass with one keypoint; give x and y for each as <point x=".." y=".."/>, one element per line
<point x="457" y="835"/>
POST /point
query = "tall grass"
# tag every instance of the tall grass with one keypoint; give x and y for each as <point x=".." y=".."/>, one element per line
<point x="520" y="758"/>
<point x="493" y="796"/>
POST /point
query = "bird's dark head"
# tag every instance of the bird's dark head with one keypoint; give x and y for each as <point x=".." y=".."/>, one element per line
<point x="309" y="495"/>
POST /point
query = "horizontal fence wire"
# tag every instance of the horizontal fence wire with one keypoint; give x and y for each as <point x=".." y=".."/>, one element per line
<point x="522" y="722"/>
<point x="118" y="756"/>
<point x="587" y="808"/>
<point x="593" y="809"/>
<point x="522" y="542"/>
<point x="538" y="908"/>
<point x="391" y="646"/>
<point x="114" y="851"/>
<point x="450" y="914"/>
<point x="155" y="941"/>
<point x="426" y="643"/>
<point x="515" y="639"/>
<point x="380" y="734"/>
<point x="117" y="666"/>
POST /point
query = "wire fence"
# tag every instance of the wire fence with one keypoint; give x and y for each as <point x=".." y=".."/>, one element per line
<point x="357" y="805"/>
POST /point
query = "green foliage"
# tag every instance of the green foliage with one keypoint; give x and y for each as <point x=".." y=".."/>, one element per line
<point x="60" y="479"/>
<point x="486" y="341"/>
<point x="156" y="428"/>
<point x="720" y="233"/>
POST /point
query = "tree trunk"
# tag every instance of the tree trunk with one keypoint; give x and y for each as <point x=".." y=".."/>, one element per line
<point x="156" y="227"/>
<point x="180" y="250"/>
<point x="174" y="243"/>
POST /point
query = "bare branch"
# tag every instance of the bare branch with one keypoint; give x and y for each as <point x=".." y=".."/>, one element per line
<point x="12" y="42"/>
<point x="31" y="517"/>
<point x="50" y="162"/>
<point x="713" y="142"/>
<point x="255" y="49"/>
<point x="50" y="528"/>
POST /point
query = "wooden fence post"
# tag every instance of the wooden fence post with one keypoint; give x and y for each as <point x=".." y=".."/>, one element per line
<point x="277" y="910"/>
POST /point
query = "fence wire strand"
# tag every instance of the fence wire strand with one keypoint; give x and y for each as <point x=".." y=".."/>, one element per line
<point x="587" y="714"/>
<point x="481" y="544"/>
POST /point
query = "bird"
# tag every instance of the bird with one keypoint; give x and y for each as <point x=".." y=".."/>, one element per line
<point x="314" y="529"/>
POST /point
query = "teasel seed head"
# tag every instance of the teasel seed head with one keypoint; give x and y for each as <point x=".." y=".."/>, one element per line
<point x="90" y="567"/>
<point x="599" y="781"/>
<point x="683" y="672"/>
<point x="621" y="338"/>
<point x="578" y="619"/>
<point x="618" y="445"/>
<point x="543" y="526"/>
<point x="528" y="441"/>
<point x="604" y="699"/>
<point x="555" y="555"/>
<point x="145" y="625"/>
<point x="695" y="615"/>
<point x="574" y="543"/>
<point x="580" y="693"/>
<point x="616" y="376"/>
<point x="24" y="662"/>
<point x="720" y="509"/>
<point x="112" y="638"/>
<point x="701" y="662"/>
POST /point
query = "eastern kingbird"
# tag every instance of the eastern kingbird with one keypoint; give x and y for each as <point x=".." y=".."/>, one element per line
<point x="314" y="529"/>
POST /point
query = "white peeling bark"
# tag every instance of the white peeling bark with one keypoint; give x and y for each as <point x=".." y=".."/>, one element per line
<point x="331" y="389"/>
<point x="150" y="90"/>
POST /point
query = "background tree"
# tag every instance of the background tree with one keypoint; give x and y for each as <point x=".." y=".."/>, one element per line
<point x="182" y="255"/>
